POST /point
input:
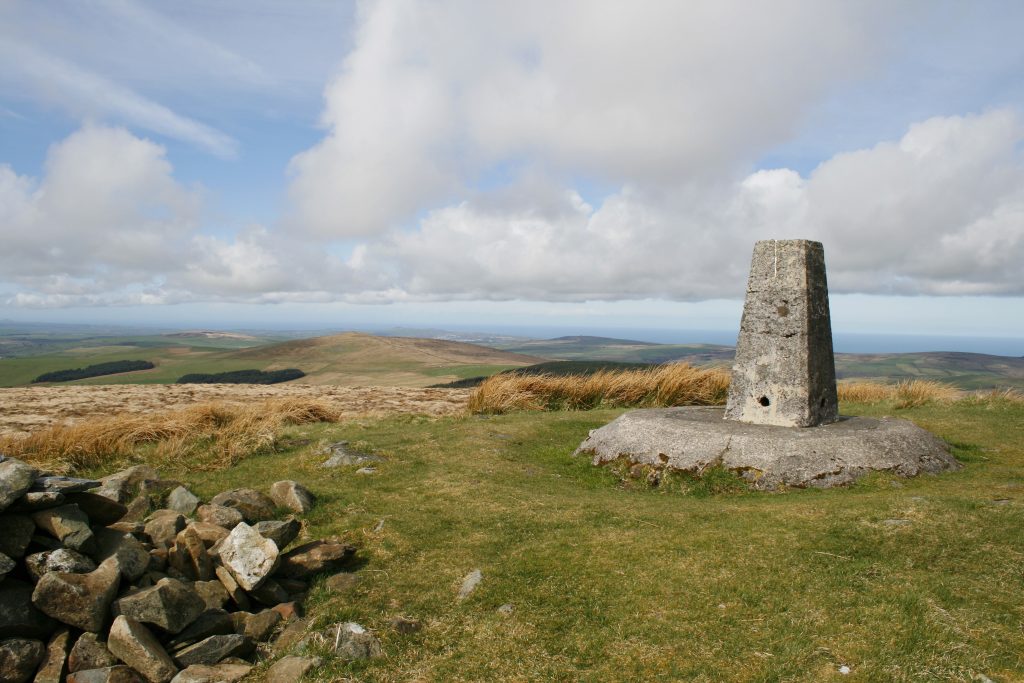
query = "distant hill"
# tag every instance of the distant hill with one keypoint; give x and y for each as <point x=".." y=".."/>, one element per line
<point x="965" y="370"/>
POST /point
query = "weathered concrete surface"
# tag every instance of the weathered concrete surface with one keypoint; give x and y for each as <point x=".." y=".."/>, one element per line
<point x="784" y="372"/>
<point x="692" y="439"/>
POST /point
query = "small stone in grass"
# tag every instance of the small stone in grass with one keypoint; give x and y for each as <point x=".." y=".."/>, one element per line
<point x="469" y="583"/>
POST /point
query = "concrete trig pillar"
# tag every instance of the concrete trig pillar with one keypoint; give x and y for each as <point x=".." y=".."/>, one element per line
<point x="784" y="373"/>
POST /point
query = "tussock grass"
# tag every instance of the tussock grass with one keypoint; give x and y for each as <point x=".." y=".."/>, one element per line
<point x="666" y="385"/>
<point x="905" y="394"/>
<point x="208" y="435"/>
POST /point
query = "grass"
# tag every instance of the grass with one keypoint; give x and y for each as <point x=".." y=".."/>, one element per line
<point x="614" y="579"/>
<point x="664" y="385"/>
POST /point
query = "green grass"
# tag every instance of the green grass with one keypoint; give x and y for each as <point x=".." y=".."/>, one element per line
<point x="613" y="579"/>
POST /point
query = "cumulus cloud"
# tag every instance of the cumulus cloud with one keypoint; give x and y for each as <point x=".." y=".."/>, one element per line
<point x="436" y="94"/>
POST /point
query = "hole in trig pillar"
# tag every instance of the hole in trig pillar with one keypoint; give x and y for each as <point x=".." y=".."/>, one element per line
<point x="764" y="401"/>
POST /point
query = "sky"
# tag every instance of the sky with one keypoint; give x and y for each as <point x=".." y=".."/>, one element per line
<point x="558" y="163"/>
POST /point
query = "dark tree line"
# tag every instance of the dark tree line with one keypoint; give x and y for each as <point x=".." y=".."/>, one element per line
<point x="97" y="370"/>
<point x="243" y="377"/>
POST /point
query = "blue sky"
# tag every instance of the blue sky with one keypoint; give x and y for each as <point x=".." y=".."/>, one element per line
<point x="586" y="163"/>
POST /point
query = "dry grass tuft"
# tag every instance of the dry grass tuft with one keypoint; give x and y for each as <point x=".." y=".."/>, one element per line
<point x="666" y="385"/>
<point x="209" y="435"/>
<point x="906" y="394"/>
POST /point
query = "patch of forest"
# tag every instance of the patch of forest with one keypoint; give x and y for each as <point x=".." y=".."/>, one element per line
<point x="243" y="377"/>
<point x="97" y="370"/>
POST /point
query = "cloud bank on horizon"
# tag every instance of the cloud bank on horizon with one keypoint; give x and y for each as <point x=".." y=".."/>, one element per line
<point x="565" y="151"/>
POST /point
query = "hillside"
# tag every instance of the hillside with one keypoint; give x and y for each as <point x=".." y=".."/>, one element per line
<point x="349" y="359"/>
<point x="622" y="350"/>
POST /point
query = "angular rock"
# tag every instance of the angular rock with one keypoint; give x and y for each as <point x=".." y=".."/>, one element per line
<point x="163" y="526"/>
<point x="109" y="674"/>
<point x="314" y="558"/>
<point x="254" y="506"/>
<point x="131" y="556"/>
<point x="19" y="658"/>
<point x="212" y="622"/>
<point x="248" y="556"/>
<point x="99" y="509"/>
<point x="280" y="532"/>
<point x="270" y="593"/>
<point x="221" y="515"/>
<point x="211" y="534"/>
<point x="192" y="549"/>
<point x="182" y="500"/>
<point x="16" y="535"/>
<point x="69" y="525"/>
<point x="65" y="485"/>
<point x="289" y="610"/>
<point x="231" y="586"/>
<point x="213" y="649"/>
<point x="292" y="495"/>
<point x="261" y="625"/>
<point x="135" y="645"/>
<point x="16" y="477"/>
<point x="136" y="529"/>
<point x="220" y="673"/>
<point x="342" y="455"/>
<point x="33" y="501"/>
<point x="18" y="616"/>
<point x="342" y="582"/>
<point x="291" y="668"/>
<point x="170" y="604"/>
<point x="7" y="565"/>
<point x="79" y="600"/>
<point x="60" y="560"/>
<point x="469" y="583"/>
<point x="123" y="485"/>
<point x="212" y="592"/>
<point x="90" y="652"/>
<point x="55" y="661"/>
<point x="352" y="641"/>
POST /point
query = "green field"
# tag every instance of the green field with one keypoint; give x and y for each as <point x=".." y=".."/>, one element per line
<point x="611" y="580"/>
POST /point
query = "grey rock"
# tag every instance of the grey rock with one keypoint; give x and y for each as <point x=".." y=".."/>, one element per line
<point x="109" y="674"/>
<point x="211" y="534"/>
<point x="367" y="470"/>
<point x="136" y="646"/>
<point x="65" y="485"/>
<point x="163" y="526"/>
<point x="219" y="673"/>
<point x="248" y="556"/>
<point x="292" y="495"/>
<point x="238" y="596"/>
<point x="694" y="438"/>
<point x="69" y="525"/>
<point x="7" y="565"/>
<point x="122" y="486"/>
<point x="213" y="649"/>
<point x="18" y="616"/>
<point x="341" y="455"/>
<point x="290" y="635"/>
<point x="60" y="560"/>
<point x="254" y="506"/>
<point x="90" y="652"/>
<point x="896" y="522"/>
<point x="33" y="501"/>
<point x="212" y="622"/>
<point x="212" y="592"/>
<point x="506" y="609"/>
<point x="261" y="625"/>
<point x="16" y="477"/>
<point x="314" y="558"/>
<point x="99" y="509"/>
<point x="170" y="604"/>
<point x="221" y="515"/>
<point x="19" y="658"/>
<point x="784" y="372"/>
<point x="280" y="532"/>
<point x="270" y="593"/>
<point x="182" y="500"/>
<point x="55" y="661"/>
<point x="79" y="600"/>
<point x="292" y="668"/>
<point x="189" y="556"/>
<point x="352" y="641"/>
<point x="131" y="556"/>
<point x="342" y="582"/>
<point x="469" y="583"/>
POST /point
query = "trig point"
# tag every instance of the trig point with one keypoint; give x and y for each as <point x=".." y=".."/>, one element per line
<point x="784" y="373"/>
<point x="783" y="382"/>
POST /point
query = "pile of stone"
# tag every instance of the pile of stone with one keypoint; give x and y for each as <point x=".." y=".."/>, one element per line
<point x="131" y="578"/>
